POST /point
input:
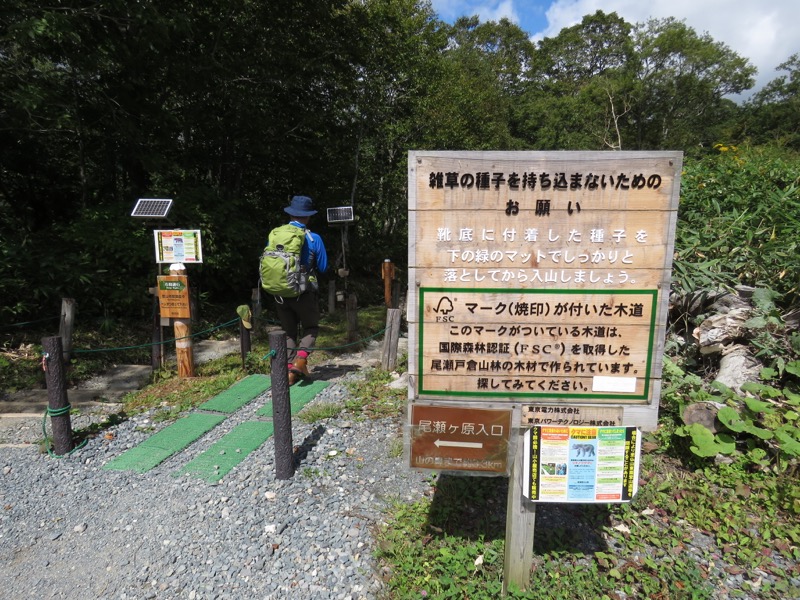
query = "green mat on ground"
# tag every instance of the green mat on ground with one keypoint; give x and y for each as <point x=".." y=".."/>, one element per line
<point x="300" y="394"/>
<point x="160" y="446"/>
<point x="229" y="451"/>
<point x="239" y="394"/>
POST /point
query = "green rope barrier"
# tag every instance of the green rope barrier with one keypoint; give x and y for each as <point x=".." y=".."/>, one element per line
<point x="231" y="322"/>
<point x="372" y="337"/>
<point x="58" y="412"/>
<point x="272" y="352"/>
<point x="12" y="325"/>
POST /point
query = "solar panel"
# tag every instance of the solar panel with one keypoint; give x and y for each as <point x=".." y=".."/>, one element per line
<point x="148" y="208"/>
<point x="340" y="214"/>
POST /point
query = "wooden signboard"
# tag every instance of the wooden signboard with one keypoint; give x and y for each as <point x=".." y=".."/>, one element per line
<point x="541" y="278"/>
<point x="460" y="439"/>
<point x="173" y="296"/>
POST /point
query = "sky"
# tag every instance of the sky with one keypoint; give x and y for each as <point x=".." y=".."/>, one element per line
<point x="766" y="32"/>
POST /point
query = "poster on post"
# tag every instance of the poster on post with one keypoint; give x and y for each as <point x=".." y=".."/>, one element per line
<point x="581" y="464"/>
<point x="178" y="246"/>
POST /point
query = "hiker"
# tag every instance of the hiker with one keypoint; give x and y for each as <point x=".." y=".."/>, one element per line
<point x="303" y="309"/>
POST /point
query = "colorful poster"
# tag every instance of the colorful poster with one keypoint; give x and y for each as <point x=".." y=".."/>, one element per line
<point x="581" y="464"/>
<point x="178" y="246"/>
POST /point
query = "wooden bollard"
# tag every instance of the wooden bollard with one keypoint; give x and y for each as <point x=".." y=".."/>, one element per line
<point x="391" y="339"/>
<point x="352" y="318"/>
<point x="387" y="272"/>
<point x="157" y="347"/>
<point x="182" y="327"/>
<point x="245" y="325"/>
<point x="66" y="326"/>
<point x="57" y="403"/>
<point x="281" y="406"/>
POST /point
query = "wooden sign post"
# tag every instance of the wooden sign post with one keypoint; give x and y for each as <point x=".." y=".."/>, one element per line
<point x="173" y="297"/>
<point x="538" y="284"/>
<point x="387" y="272"/>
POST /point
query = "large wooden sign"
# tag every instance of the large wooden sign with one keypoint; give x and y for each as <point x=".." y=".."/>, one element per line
<point x="541" y="278"/>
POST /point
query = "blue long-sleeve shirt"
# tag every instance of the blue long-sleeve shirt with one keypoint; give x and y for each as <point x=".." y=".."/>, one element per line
<point x="316" y="245"/>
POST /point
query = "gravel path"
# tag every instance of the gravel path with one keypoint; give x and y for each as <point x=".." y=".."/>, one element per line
<point x="70" y="529"/>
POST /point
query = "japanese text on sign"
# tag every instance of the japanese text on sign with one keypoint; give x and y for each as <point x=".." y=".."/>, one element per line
<point x="536" y="343"/>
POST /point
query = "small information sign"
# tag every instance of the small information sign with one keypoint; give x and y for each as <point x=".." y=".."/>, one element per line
<point x="173" y="296"/>
<point x="581" y="464"/>
<point x="571" y="414"/>
<point x="451" y="438"/>
<point x="178" y="246"/>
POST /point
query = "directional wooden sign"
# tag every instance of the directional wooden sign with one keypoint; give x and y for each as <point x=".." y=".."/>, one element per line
<point x="450" y="438"/>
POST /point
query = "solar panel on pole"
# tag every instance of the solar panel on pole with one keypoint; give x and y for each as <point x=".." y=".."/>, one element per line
<point x="151" y="208"/>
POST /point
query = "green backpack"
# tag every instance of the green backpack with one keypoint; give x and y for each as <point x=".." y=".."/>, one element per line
<point x="279" y="267"/>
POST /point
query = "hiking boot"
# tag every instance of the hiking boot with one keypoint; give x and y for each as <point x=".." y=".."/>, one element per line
<point x="293" y="378"/>
<point x="300" y="367"/>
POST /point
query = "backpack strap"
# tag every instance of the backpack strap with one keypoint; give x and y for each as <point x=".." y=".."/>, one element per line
<point x="312" y="259"/>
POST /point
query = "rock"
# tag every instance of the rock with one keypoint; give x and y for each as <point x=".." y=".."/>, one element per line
<point x="704" y="413"/>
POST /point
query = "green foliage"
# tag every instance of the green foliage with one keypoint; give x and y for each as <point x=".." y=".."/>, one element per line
<point x="758" y="430"/>
<point x="372" y="398"/>
<point x="773" y="114"/>
<point x="753" y="195"/>
<point x="170" y="396"/>
<point x="320" y="412"/>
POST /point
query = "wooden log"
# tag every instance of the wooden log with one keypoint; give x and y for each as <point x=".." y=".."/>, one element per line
<point x="281" y="406"/>
<point x="66" y="327"/>
<point x="391" y="339"/>
<point x="721" y="330"/>
<point x="57" y="401"/>
<point x="184" y="347"/>
<point x="737" y="367"/>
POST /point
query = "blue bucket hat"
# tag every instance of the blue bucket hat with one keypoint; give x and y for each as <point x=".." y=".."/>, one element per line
<point x="301" y="206"/>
